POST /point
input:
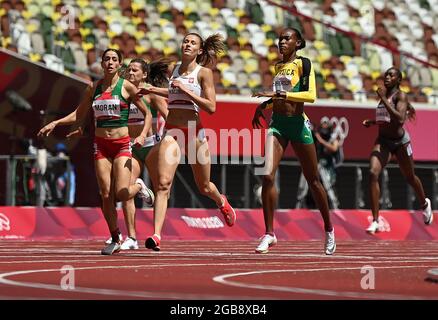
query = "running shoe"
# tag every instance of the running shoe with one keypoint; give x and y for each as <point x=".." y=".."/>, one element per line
<point x="153" y="243"/>
<point x="113" y="247"/>
<point x="427" y="212"/>
<point x="266" y="241"/>
<point x="145" y="193"/>
<point x="228" y="212"/>
<point x="110" y="239"/>
<point x="373" y="228"/>
<point x="330" y="243"/>
<point x="129" y="244"/>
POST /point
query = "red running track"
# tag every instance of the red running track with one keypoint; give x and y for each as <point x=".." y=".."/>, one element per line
<point x="219" y="270"/>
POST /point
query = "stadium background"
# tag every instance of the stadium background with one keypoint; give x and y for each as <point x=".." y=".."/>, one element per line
<point x="51" y="48"/>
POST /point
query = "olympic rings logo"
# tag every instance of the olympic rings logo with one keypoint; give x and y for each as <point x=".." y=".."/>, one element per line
<point x="5" y="223"/>
<point x="340" y="127"/>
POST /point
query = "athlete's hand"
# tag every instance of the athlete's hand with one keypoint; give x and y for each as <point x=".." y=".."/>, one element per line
<point x="256" y="119"/>
<point x="178" y="84"/>
<point x="144" y="90"/>
<point x="139" y="141"/>
<point x="368" y="123"/>
<point x="268" y="94"/>
<point x="381" y="92"/>
<point x="47" y="129"/>
<point x="76" y="133"/>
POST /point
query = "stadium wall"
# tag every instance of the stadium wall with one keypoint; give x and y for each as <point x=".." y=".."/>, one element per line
<point x="53" y="95"/>
<point x="36" y="223"/>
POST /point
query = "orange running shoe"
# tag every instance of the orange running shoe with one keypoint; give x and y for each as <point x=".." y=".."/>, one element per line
<point x="228" y="212"/>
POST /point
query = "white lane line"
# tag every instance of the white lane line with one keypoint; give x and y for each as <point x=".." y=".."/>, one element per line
<point x="223" y="279"/>
<point x="114" y="292"/>
<point x="178" y="259"/>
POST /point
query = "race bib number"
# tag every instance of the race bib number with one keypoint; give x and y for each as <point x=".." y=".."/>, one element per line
<point x="135" y="113"/>
<point x="382" y="115"/>
<point x="107" y="108"/>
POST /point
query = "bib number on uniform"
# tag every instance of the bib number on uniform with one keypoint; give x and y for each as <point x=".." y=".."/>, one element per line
<point x="107" y="108"/>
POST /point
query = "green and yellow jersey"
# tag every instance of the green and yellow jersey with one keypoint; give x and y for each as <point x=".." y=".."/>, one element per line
<point x="297" y="78"/>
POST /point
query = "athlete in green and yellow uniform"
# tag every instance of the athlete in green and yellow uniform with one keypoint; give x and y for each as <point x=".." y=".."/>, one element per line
<point x="293" y="85"/>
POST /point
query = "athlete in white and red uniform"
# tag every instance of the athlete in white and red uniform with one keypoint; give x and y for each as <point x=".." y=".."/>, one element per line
<point x="190" y="90"/>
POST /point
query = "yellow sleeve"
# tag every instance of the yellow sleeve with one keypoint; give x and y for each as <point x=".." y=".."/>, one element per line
<point x="309" y="89"/>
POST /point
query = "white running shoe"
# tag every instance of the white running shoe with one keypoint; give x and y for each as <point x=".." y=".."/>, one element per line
<point x="266" y="242"/>
<point x="330" y="243"/>
<point x="427" y="212"/>
<point x="110" y="239"/>
<point x="373" y="228"/>
<point x="113" y="247"/>
<point x="145" y="193"/>
<point x="129" y="244"/>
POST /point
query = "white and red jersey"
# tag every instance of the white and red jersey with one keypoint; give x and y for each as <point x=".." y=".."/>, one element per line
<point x="177" y="98"/>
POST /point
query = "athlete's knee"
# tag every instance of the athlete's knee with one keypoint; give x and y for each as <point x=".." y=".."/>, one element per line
<point x="314" y="182"/>
<point x="164" y="184"/>
<point x="105" y="194"/>
<point x="374" y="174"/>
<point x="122" y="194"/>
<point x="204" y="188"/>
<point x="412" y="179"/>
<point x="268" y="179"/>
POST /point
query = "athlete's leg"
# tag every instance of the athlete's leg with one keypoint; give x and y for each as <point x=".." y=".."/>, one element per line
<point x="122" y="174"/>
<point x="274" y="150"/>
<point x="103" y="168"/>
<point x="168" y="160"/>
<point x="380" y="156"/>
<point x="151" y="163"/>
<point x="406" y="164"/>
<point x="129" y="205"/>
<point x="306" y="154"/>
<point x="201" y="172"/>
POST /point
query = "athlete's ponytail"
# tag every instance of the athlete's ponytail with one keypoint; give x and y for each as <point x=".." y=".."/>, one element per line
<point x="157" y="73"/>
<point x="211" y="47"/>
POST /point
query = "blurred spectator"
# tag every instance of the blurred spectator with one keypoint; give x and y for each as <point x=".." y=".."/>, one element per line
<point x="61" y="178"/>
<point x="330" y="156"/>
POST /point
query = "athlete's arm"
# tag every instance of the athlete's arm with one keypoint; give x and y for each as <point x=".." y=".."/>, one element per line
<point x="402" y="104"/>
<point x="208" y="102"/>
<point x="163" y="92"/>
<point x="160" y="104"/>
<point x="78" y="114"/>
<point x="308" y="93"/>
<point x="138" y="102"/>
<point x="368" y="123"/>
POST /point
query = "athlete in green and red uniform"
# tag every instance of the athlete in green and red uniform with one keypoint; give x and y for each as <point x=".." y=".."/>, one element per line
<point x="109" y="99"/>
